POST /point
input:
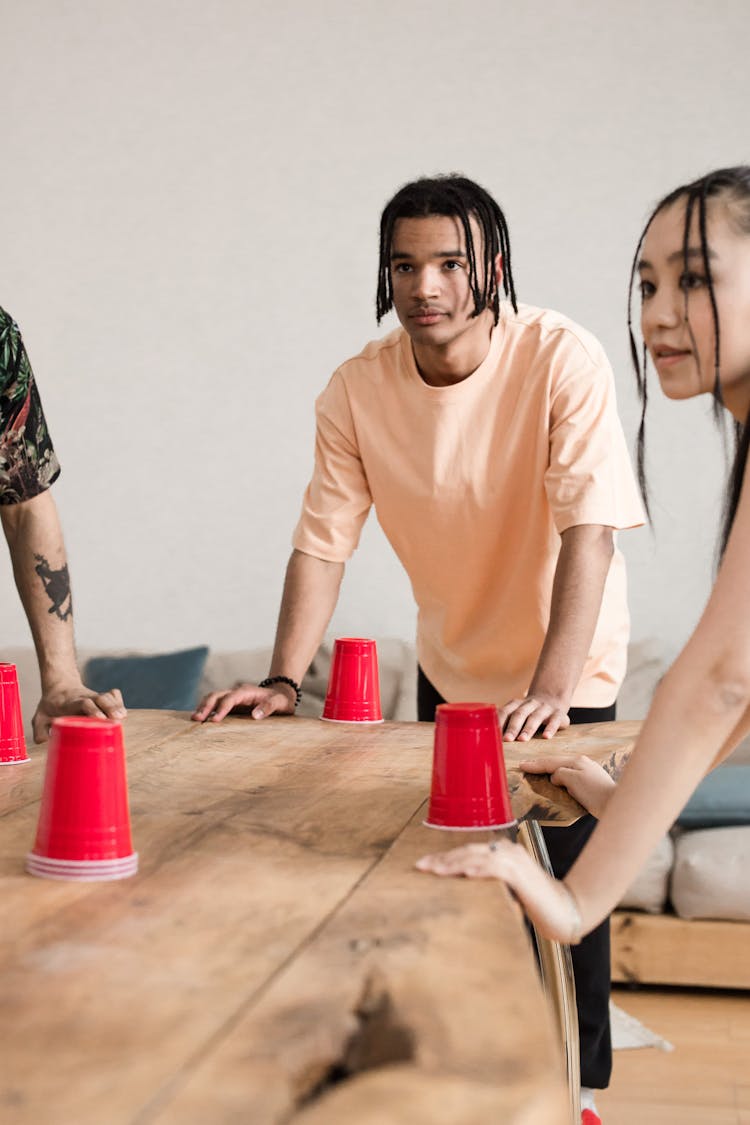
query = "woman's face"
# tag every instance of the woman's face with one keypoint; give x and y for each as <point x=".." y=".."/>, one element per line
<point x="676" y="316"/>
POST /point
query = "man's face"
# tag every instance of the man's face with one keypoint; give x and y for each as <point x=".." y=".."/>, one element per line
<point x="430" y="276"/>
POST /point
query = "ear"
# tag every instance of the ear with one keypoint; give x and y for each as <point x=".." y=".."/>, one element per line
<point x="499" y="272"/>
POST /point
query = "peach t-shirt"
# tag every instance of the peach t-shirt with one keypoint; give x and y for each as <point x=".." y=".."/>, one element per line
<point x="473" y="484"/>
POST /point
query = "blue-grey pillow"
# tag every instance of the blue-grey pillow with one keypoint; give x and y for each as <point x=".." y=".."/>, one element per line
<point x="164" y="681"/>
<point x="722" y="798"/>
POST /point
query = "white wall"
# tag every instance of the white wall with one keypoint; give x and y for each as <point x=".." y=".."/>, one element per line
<point x="190" y="198"/>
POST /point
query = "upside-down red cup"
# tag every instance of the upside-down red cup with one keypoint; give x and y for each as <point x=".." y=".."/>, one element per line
<point x="353" y="694"/>
<point x="83" y="830"/>
<point x="469" y="783"/>
<point x="12" y="740"/>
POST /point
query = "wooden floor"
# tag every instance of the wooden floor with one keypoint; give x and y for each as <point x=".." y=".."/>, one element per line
<point x="704" y="1081"/>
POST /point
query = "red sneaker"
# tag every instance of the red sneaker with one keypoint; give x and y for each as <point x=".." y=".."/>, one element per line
<point x="590" y="1117"/>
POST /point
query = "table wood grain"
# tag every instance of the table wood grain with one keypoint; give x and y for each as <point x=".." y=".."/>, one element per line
<point x="277" y="958"/>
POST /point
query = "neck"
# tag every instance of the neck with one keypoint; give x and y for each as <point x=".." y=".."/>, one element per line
<point x="444" y="365"/>
<point x="737" y="402"/>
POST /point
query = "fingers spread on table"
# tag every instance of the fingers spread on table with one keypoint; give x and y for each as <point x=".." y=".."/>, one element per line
<point x="523" y="718"/>
<point x="217" y="705"/>
<point x="547" y="763"/>
<point x="558" y="720"/>
<point x="474" y="860"/>
<point x="526" y="719"/>
<point x="243" y="699"/>
<point x="504" y="713"/>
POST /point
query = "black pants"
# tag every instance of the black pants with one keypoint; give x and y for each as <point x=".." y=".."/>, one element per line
<point x="591" y="959"/>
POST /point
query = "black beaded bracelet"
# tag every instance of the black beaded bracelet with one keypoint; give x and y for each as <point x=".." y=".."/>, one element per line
<point x="271" y="680"/>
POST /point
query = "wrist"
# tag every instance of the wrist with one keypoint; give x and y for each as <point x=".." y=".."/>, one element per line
<point x="560" y="695"/>
<point x="574" y="914"/>
<point x="285" y="684"/>
<point x="54" y="681"/>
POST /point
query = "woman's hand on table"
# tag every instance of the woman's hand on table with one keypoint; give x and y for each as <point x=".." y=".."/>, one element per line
<point x="246" y="699"/>
<point x="583" y="778"/>
<point x="546" y="901"/>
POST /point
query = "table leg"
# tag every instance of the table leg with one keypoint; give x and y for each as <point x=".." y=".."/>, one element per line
<point x="556" y="967"/>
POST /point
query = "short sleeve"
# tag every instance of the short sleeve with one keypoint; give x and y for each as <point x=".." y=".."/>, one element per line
<point x="28" y="464"/>
<point x="337" y="499"/>
<point x="589" y="479"/>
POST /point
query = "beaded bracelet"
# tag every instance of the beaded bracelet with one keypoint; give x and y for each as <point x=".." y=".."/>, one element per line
<point x="271" y="680"/>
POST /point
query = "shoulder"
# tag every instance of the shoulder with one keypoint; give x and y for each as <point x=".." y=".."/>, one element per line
<point x="10" y="333"/>
<point x="359" y="375"/>
<point x="11" y="352"/>
<point x="375" y="359"/>
<point x="553" y="333"/>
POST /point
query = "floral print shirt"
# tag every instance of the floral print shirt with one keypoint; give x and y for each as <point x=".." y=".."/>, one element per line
<point x="28" y="464"/>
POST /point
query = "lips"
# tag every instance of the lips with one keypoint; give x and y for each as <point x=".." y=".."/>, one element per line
<point x="666" y="356"/>
<point x="664" y="352"/>
<point x="427" y="316"/>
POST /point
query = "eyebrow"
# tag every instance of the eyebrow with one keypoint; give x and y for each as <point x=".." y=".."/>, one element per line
<point x="678" y="256"/>
<point x="398" y="255"/>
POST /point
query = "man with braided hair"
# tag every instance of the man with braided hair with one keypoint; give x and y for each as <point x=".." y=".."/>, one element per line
<point x="485" y="433"/>
<point x="28" y="466"/>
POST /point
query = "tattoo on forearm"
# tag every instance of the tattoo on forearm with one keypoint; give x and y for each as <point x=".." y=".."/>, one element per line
<point x="56" y="586"/>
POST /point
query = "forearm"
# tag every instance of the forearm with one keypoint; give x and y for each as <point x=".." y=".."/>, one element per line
<point x="580" y="575"/>
<point x="311" y="590"/>
<point x="690" y="716"/>
<point x="40" y="568"/>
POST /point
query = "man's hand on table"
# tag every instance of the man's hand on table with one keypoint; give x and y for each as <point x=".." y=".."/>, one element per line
<point x="521" y="719"/>
<point x="75" y="699"/>
<point x="583" y="778"/>
<point x="246" y="699"/>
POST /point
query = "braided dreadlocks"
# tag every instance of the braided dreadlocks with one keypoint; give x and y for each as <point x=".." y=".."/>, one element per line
<point x="732" y="185"/>
<point x="451" y="196"/>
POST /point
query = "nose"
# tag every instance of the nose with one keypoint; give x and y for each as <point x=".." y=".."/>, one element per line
<point x="665" y="309"/>
<point x="426" y="283"/>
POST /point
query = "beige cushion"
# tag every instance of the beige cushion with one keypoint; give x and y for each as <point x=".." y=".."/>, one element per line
<point x="650" y="888"/>
<point x="711" y="874"/>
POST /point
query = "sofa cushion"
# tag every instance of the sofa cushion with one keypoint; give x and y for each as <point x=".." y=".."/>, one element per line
<point x="165" y="681"/>
<point x="650" y="889"/>
<point x="709" y="877"/>
<point x="721" y="799"/>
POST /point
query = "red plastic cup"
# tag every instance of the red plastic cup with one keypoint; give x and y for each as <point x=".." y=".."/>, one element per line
<point x="469" y="783"/>
<point x="354" y="684"/>
<point x="12" y="740"/>
<point x="84" y="820"/>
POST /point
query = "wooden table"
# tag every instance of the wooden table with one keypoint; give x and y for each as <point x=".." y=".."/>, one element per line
<point x="277" y="958"/>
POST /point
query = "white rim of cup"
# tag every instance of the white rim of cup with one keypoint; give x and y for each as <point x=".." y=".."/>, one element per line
<point x="471" y="827"/>
<point x="82" y="869"/>
<point x="82" y="864"/>
<point x="348" y="722"/>
<point x="14" y="761"/>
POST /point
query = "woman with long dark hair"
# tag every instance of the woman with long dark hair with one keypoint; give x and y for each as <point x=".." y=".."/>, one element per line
<point x="693" y="269"/>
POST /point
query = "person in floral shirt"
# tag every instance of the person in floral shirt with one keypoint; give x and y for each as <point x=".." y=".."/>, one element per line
<point x="28" y="513"/>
